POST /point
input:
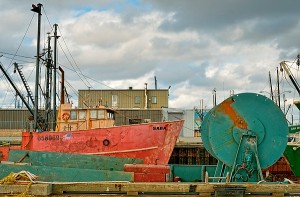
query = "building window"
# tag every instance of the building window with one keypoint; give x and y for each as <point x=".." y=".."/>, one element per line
<point x="154" y="99"/>
<point x="137" y="99"/>
<point x="114" y="101"/>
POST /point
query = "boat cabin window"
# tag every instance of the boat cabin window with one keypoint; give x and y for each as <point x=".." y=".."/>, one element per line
<point x="110" y="115"/>
<point x="73" y="115"/>
<point x="100" y="114"/>
<point x="82" y="115"/>
<point x="93" y="114"/>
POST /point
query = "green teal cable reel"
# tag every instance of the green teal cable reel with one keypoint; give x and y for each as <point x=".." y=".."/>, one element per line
<point x="247" y="132"/>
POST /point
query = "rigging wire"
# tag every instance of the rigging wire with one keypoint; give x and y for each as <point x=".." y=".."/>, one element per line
<point x="16" y="55"/>
<point x="92" y="79"/>
<point x="21" y="40"/>
<point x="77" y="71"/>
<point x="19" y="60"/>
<point x="89" y="85"/>
<point x="13" y="58"/>
<point x="51" y="26"/>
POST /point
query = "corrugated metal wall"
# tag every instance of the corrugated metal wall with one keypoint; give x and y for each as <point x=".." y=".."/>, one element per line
<point x="124" y="117"/>
<point x="14" y="118"/>
<point x="18" y="118"/>
<point x="125" y="98"/>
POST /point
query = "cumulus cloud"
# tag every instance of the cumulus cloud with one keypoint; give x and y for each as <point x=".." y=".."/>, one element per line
<point x="194" y="46"/>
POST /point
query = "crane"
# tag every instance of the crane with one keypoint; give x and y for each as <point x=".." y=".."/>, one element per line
<point x="284" y="67"/>
<point x="29" y="93"/>
<point x="16" y="89"/>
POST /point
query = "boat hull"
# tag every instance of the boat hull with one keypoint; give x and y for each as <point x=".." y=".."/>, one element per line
<point x="292" y="154"/>
<point x="152" y="142"/>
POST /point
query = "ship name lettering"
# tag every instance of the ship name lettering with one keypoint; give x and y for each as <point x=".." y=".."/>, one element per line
<point x="159" y="128"/>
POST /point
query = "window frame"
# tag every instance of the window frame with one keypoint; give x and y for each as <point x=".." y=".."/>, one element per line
<point x="82" y="115"/>
<point x="137" y="100"/>
<point x="93" y="114"/>
<point x="154" y="99"/>
<point x="73" y="115"/>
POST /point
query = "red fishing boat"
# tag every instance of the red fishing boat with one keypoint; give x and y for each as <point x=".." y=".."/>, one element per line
<point x="81" y="131"/>
<point x="92" y="131"/>
<point x="89" y="130"/>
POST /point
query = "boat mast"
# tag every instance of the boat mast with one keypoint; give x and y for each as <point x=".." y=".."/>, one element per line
<point x="62" y="91"/>
<point x="37" y="9"/>
<point x="278" y="90"/>
<point x="271" y="87"/>
<point x="54" y="75"/>
<point x="48" y="85"/>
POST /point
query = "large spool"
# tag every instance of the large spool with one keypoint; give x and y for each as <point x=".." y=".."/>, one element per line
<point x="224" y="125"/>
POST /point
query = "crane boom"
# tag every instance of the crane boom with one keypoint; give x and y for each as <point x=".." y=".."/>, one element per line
<point x="24" y="82"/>
<point x="16" y="89"/>
<point x="284" y="66"/>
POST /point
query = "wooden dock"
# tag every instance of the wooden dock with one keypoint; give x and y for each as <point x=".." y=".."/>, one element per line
<point x="152" y="189"/>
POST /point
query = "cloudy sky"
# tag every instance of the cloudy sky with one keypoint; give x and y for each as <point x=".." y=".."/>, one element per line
<point x="193" y="46"/>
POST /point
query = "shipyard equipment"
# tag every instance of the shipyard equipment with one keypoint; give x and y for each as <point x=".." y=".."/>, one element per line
<point x="246" y="133"/>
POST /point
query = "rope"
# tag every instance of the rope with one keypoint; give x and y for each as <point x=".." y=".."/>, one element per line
<point x="22" y="176"/>
<point x="10" y="179"/>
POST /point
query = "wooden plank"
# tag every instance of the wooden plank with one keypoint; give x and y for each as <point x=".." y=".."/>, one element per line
<point x="152" y="189"/>
<point x="66" y="160"/>
<point x="52" y="174"/>
<point x="121" y="187"/>
<point x="276" y="189"/>
<point x="34" y="189"/>
<point x="201" y="189"/>
<point x="149" y="189"/>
